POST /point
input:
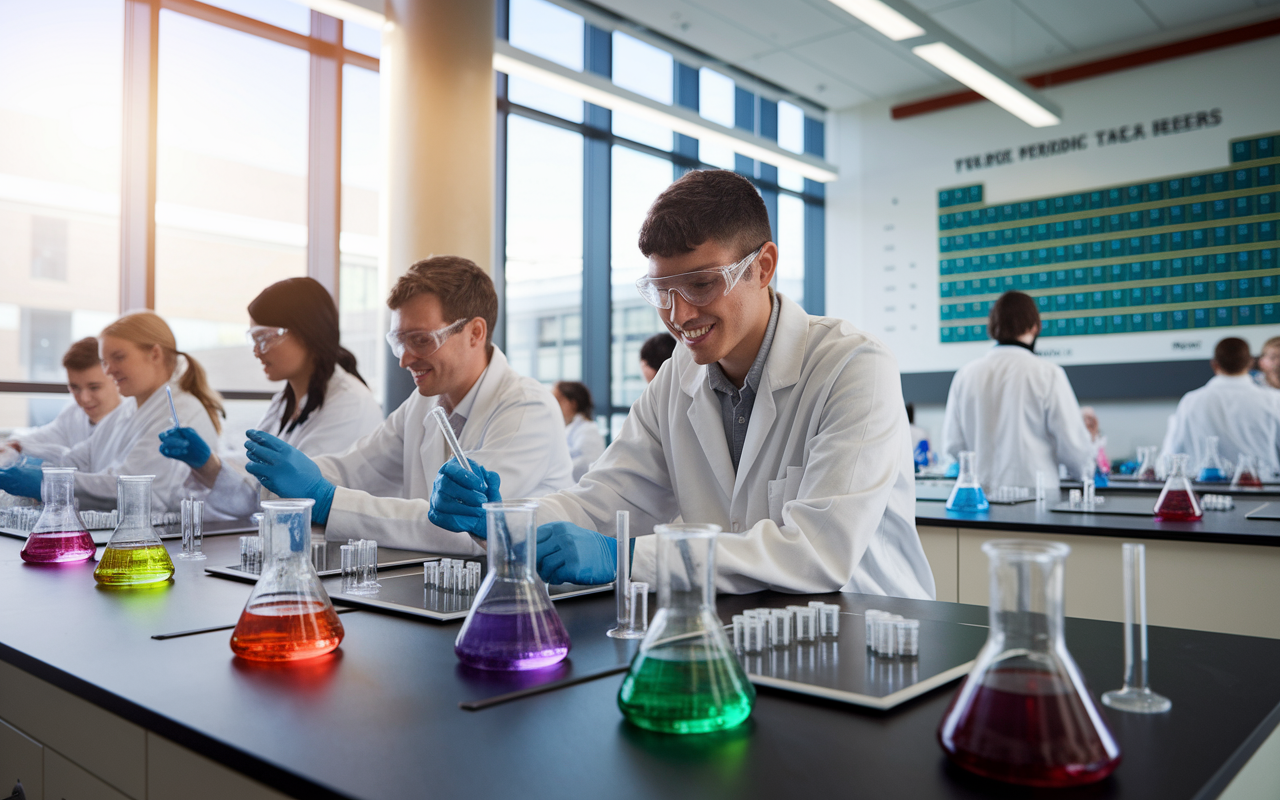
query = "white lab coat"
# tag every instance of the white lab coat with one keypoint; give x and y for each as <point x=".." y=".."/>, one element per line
<point x="1018" y="413"/>
<point x="823" y="498"/>
<point x="53" y="440"/>
<point x="129" y="444"/>
<point x="1244" y="416"/>
<point x="349" y="412"/>
<point x="514" y="427"/>
<point x="585" y="444"/>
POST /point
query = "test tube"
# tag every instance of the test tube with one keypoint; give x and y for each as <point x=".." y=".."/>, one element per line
<point x="639" y="621"/>
<point x="780" y="627"/>
<point x="1086" y="479"/>
<point x="369" y="565"/>
<point x="907" y="633"/>
<point x="755" y="635"/>
<point x="450" y="438"/>
<point x="1042" y="486"/>
<point x="739" y="632"/>
<point x="806" y="624"/>
<point x="185" y="506"/>
<point x="473" y="576"/>
<point x="884" y="631"/>
<point x="870" y="618"/>
<point x="318" y="554"/>
<point x="622" y="582"/>
<point x="197" y="530"/>
<point x="349" y="568"/>
<point x="828" y="620"/>
<point x="1135" y="695"/>
<point x="431" y="574"/>
<point x="173" y="410"/>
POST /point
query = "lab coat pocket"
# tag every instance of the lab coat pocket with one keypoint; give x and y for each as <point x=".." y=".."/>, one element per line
<point x="783" y="491"/>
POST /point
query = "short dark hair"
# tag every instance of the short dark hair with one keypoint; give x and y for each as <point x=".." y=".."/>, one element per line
<point x="1012" y="315"/>
<point x="657" y="349"/>
<point x="710" y="204"/>
<point x="464" y="290"/>
<point x="1232" y="355"/>
<point x="578" y="395"/>
<point x="82" y="355"/>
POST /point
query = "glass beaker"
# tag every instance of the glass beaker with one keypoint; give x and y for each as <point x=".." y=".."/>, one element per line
<point x="512" y="624"/>
<point x="967" y="494"/>
<point x="1247" y="475"/>
<point x="58" y="535"/>
<point x="685" y="678"/>
<point x="1212" y="469"/>
<point x="1178" y="503"/>
<point x="1023" y="714"/>
<point x="288" y="616"/>
<point x="1146" y="464"/>
<point x="134" y="554"/>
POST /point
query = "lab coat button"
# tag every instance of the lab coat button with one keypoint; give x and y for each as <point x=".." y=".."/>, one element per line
<point x="741" y="420"/>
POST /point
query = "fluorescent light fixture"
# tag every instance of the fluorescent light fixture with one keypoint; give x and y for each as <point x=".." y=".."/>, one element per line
<point x="996" y="89"/>
<point x="600" y="91"/>
<point x="880" y="16"/>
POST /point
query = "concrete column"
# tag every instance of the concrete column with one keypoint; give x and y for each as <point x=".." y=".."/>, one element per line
<point x="439" y="109"/>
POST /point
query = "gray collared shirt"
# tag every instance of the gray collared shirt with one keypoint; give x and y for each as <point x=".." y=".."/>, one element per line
<point x="735" y="403"/>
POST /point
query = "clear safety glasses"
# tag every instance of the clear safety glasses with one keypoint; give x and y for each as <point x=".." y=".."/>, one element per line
<point x="262" y="338"/>
<point x="422" y="343"/>
<point x="697" y="288"/>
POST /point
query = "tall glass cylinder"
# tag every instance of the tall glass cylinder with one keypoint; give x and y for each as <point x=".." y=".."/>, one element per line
<point x="58" y="536"/>
<point x="512" y="624"/>
<point x="134" y="554"/>
<point x="1023" y="714"/>
<point x="685" y="677"/>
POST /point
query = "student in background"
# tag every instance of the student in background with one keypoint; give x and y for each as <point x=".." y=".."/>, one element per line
<point x="1097" y="438"/>
<point x="1268" y="372"/>
<point x="585" y="442"/>
<point x="95" y="397"/>
<point x="1244" y="416"/>
<point x="919" y="439"/>
<point x="324" y="407"/>
<point x="140" y="354"/>
<point x="1013" y="408"/>
<point x="654" y="353"/>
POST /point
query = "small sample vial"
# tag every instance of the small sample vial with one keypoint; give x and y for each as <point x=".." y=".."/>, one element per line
<point x="907" y="634"/>
<point x="806" y="624"/>
<point x="431" y="574"/>
<point x="739" y="632"/>
<point x="1073" y="497"/>
<point x="828" y="619"/>
<point x="639" y="605"/>
<point x="473" y="576"/>
<point x="884" y="631"/>
<point x="755" y="635"/>
<point x="780" y="627"/>
<point x="870" y="617"/>
<point x="318" y="555"/>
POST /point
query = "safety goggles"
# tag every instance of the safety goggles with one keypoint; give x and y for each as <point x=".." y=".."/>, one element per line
<point x="697" y="288"/>
<point x="422" y="343"/>
<point x="262" y="338"/>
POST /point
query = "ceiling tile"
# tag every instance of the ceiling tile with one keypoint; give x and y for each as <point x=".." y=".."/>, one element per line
<point x="1001" y="31"/>
<point x="783" y="24"/>
<point x="785" y="69"/>
<point x="864" y="59"/>
<point x="1173" y="13"/>
<point x="692" y="25"/>
<point x="1090" y="23"/>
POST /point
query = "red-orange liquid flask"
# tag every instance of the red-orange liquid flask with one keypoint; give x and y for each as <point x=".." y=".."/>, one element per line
<point x="1178" y="502"/>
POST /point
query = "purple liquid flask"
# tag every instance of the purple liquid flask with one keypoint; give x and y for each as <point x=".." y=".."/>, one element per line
<point x="512" y="624"/>
<point x="58" y="536"/>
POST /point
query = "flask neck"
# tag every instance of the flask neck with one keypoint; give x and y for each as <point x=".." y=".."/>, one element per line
<point x="58" y="490"/>
<point x="133" y="498"/>
<point x="1026" y="600"/>
<point x="511" y="543"/>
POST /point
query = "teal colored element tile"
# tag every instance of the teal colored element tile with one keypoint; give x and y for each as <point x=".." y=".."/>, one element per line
<point x="1175" y="187"/>
<point x="1179" y="320"/>
<point x="1241" y="151"/>
<point x="1246" y="315"/>
<point x="1158" y="321"/>
<point x="1197" y="184"/>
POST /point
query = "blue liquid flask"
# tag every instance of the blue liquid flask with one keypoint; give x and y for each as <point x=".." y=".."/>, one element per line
<point x="1212" y="469"/>
<point x="967" y="494"/>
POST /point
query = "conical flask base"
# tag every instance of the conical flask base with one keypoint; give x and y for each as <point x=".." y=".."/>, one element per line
<point x="58" y="547"/>
<point x="134" y="563"/>
<point x="287" y="630"/>
<point x="520" y="640"/>
<point x="1137" y="701"/>
<point x="675" y="695"/>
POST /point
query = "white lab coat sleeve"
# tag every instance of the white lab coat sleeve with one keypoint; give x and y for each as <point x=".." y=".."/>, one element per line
<point x="856" y="451"/>
<point x="953" y="439"/>
<point x="51" y="442"/>
<point x="375" y="464"/>
<point x="1070" y="438"/>
<point x="631" y="475"/>
<point x="343" y="420"/>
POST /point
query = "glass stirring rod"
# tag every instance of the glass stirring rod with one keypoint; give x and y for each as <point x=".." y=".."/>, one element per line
<point x="173" y="410"/>
<point x="450" y="438"/>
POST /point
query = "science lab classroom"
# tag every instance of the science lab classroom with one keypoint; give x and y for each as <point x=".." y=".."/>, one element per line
<point x="643" y="399"/>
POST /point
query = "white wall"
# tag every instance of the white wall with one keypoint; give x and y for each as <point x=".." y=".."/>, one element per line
<point x="882" y="232"/>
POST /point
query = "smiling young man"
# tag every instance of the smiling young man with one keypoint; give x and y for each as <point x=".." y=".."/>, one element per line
<point x="443" y="313"/>
<point x="95" y="397"/>
<point x="786" y="430"/>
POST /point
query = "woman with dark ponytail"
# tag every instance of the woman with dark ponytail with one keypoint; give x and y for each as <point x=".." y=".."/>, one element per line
<point x="324" y="407"/>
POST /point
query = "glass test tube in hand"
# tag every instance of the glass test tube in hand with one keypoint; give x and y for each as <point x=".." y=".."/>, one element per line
<point x="630" y="625"/>
<point x="450" y="438"/>
<point x="1135" y="696"/>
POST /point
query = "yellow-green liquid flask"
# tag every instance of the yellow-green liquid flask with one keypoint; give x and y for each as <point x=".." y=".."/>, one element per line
<point x="685" y="677"/>
<point x="134" y="554"/>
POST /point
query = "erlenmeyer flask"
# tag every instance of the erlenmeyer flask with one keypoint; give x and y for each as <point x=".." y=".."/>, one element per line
<point x="685" y="677"/>
<point x="967" y="495"/>
<point x="512" y="624"/>
<point x="134" y="554"/>
<point x="1146" y="464"/>
<point x="1247" y="476"/>
<point x="59" y="535"/>
<point x="1023" y="714"/>
<point x="288" y="616"/>
<point x="1178" y="503"/>
<point x="1212" y="469"/>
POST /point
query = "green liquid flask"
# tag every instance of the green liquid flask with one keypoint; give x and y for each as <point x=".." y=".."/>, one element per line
<point x="685" y="677"/>
<point x="134" y="554"/>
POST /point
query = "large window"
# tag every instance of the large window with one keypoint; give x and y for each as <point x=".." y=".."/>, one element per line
<point x="362" y="281"/>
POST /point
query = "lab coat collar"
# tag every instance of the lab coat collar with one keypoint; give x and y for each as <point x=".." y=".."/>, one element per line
<point x="481" y="395"/>
<point x="782" y="365"/>
<point x="1231" y="380"/>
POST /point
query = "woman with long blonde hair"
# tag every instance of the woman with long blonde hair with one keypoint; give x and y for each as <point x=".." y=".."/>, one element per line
<point x="141" y="355"/>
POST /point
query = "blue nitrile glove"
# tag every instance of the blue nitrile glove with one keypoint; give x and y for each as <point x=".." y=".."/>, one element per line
<point x="185" y="445"/>
<point x="457" y="496"/>
<point x="22" y="481"/>
<point x="569" y="554"/>
<point x="285" y="470"/>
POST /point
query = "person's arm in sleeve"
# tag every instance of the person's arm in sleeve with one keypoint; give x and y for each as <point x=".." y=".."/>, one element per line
<point x="374" y="464"/>
<point x="857" y="448"/>
<point x="1072" y="444"/>
<point x="51" y="442"/>
<point x="342" y="421"/>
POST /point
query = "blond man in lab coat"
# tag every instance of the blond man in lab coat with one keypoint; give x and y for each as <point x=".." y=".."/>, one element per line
<point x="786" y="430"/>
